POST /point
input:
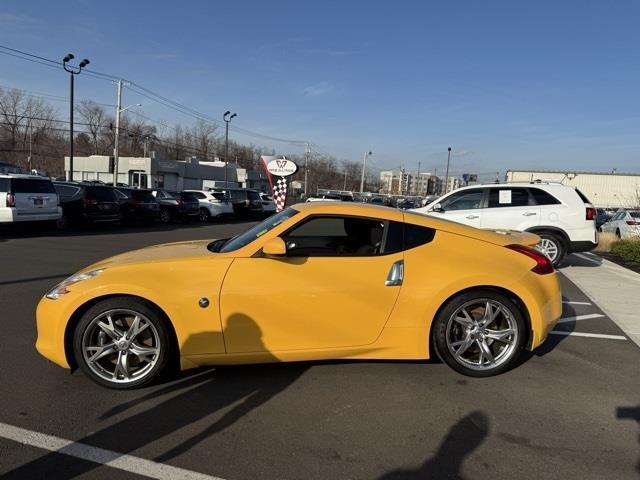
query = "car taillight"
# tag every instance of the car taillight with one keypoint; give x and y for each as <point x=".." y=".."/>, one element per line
<point x="90" y="201"/>
<point x="591" y="213"/>
<point x="633" y="222"/>
<point x="543" y="264"/>
<point x="135" y="202"/>
<point x="11" y="200"/>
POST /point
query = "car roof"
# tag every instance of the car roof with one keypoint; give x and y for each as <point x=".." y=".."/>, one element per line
<point x="23" y="175"/>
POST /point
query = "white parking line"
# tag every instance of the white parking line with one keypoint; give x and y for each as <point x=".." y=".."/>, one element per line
<point x="584" y="257"/>
<point x="577" y="303"/>
<point x="128" y="463"/>
<point x="580" y="317"/>
<point x="592" y="335"/>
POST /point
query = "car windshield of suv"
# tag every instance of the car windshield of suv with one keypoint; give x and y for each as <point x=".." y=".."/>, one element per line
<point x="253" y="233"/>
<point x="28" y="185"/>
<point x="143" y="195"/>
<point x="101" y="194"/>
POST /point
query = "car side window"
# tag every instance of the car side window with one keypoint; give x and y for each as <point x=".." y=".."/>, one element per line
<point x="333" y="236"/>
<point x="66" y="191"/>
<point x="404" y="236"/>
<point x="543" y="198"/>
<point x="508" y="197"/>
<point x="464" y="200"/>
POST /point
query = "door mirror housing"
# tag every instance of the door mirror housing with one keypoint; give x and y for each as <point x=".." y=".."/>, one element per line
<point x="274" y="247"/>
<point x="437" y="208"/>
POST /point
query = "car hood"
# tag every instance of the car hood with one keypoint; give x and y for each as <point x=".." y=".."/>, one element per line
<point x="155" y="253"/>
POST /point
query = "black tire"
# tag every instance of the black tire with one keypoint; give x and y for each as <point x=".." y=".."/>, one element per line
<point x="557" y="242"/>
<point x="165" y="216"/>
<point x="618" y="236"/>
<point x="63" y="223"/>
<point x="145" y="311"/>
<point x="442" y="343"/>
<point x="205" y="216"/>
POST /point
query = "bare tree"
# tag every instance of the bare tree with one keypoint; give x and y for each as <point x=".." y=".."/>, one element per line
<point x="95" y="118"/>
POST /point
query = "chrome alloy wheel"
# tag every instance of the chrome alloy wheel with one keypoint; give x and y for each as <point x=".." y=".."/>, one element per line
<point x="549" y="248"/>
<point x="482" y="334"/>
<point x="121" y="346"/>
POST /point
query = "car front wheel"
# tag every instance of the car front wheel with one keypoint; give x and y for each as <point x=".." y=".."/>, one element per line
<point x="205" y="216"/>
<point x="480" y="333"/>
<point x="165" y="216"/>
<point x="121" y="343"/>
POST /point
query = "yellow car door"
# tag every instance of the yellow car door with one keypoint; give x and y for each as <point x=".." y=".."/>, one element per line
<point x="335" y="288"/>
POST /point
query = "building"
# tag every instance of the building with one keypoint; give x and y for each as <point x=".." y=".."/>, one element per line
<point x="399" y="182"/>
<point x="255" y="179"/>
<point x="611" y="190"/>
<point x="152" y="172"/>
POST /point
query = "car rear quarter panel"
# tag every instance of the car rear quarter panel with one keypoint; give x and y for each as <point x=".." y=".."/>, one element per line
<point x="452" y="263"/>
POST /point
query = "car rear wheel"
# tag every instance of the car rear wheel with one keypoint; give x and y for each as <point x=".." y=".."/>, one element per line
<point x="480" y="333"/>
<point x="205" y="216"/>
<point x="552" y="246"/>
<point x="63" y="222"/>
<point x="121" y="343"/>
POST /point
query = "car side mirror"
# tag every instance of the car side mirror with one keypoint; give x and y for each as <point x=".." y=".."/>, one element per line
<point x="437" y="208"/>
<point x="274" y="247"/>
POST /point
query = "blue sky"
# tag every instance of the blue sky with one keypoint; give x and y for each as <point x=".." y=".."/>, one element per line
<point x="508" y="84"/>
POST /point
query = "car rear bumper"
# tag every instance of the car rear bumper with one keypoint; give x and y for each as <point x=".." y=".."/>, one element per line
<point x="11" y="215"/>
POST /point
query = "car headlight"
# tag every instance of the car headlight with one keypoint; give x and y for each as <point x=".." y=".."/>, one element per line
<point x="61" y="289"/>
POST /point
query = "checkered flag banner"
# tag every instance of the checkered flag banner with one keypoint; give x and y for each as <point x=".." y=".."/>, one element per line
<point x="280" y="193"/>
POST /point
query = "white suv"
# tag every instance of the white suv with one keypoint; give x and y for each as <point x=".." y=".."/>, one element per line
<point x="28" y="198"/>
<point x="561" y="215"/>
<point x="212" y="205"/>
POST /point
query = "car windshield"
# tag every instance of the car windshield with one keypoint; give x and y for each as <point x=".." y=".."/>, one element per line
<point x="143" y="195"/>
<point x="257" y="231"/>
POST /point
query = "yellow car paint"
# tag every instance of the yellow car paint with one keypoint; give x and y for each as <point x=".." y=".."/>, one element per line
<point x="265" y="309"/>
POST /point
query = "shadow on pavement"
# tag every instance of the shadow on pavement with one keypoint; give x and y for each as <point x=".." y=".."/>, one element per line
<point x="630" y="413"/>
<point x="463" y="438"/>
<point x="61" y="276"/>
<point x="581" y="260"/>
<point x="192" y="400"/>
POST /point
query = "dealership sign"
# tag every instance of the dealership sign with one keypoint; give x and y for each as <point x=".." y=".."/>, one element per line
<point x="281" y="167"/>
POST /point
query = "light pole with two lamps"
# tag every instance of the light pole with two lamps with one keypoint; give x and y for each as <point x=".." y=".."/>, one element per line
<point x="73" y="71"/>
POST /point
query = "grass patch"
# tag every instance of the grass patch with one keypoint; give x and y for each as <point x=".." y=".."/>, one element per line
<point x="629" y="250"/>
<point x="605" y="240"/>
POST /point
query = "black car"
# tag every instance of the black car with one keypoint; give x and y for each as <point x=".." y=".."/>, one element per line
<point x="176" y="206"/>
<point x="86" y="203"/>
<point x="408" y="204"/>
<point x="137" y="205"/>
<point x="246" y="202"/>
<point x="602" y="217"/>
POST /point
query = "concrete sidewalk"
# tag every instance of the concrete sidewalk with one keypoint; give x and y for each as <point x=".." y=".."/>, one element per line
<point x="615" y="289"/>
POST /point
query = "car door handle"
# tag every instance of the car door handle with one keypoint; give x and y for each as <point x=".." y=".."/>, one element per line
<point x="528" y="214"/>
<point x="471" y="217"/>
<point x="396" y="274"/>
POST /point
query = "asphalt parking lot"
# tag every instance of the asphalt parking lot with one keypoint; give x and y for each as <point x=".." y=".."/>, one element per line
<point x="571" y="410"/>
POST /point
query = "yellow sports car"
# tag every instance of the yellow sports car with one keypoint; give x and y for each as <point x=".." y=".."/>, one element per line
<point x="321" y="280"/>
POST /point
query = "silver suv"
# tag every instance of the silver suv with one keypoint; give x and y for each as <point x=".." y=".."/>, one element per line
<point x="28" y="198"/>
<point x="561" y="215"/>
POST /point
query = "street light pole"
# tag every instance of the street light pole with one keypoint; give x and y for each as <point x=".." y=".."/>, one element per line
<point x="73" y="71"/>
<point x="306" y="169"/>
<point x="227" y="118"/>
<point x="364" y="168"/>
<point x="446" y="178"/>
<point x="116" y="141"/>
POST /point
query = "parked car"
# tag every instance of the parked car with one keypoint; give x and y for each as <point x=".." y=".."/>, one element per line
<point x="268" y="205"/>
<point x="327" y="197"/>
<point x="384" y="201"/>
<point x="174" y="208"/>
<point x="561" y="215"/>
<point x="213" y="205"/>
<point x="408" y="204"/>
<point x="602" y="217"/>
<point x="246" y="202"/>
<point x="86" y="203"/>
<point x="28" y="198"/>
<point x="138" y="205"/>
<point x="343" y="264"/>
<point x="624" y="224"/>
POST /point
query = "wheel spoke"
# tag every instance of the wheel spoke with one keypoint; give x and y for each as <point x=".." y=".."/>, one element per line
<point x="485" y="353"/>
<point x="491" y="311"/>
<point x="122" y="366"/>
<point x="500" y="335"/>
<point x="136" y="328"/>
<point x="141" y="351"/>
<point x="109" y="328"/>
<point x="466" y="319"/>
<point x="100" y="351"/>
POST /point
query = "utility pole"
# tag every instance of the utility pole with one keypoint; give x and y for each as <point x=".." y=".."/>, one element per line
<point x="446" y="178"/>
<point x="344" y="188"/>
<point x="117" y="137"/>
<point x="418" y="181"/>
<point x="306" y="168"/>
<point x="30" y="136"/>
<point x="73" y="71"/>
<point x="226" y="142"/>
<point x="364" y="168"/>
